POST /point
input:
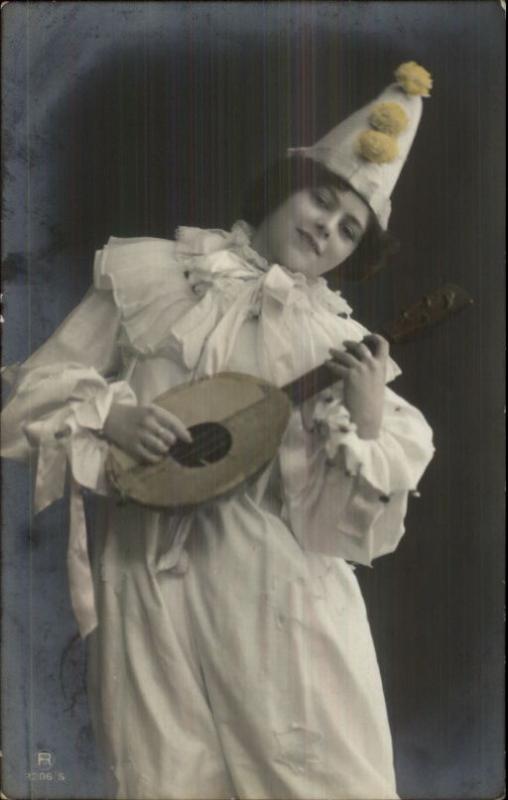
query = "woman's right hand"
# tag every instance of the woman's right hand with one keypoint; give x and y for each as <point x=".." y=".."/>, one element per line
<point x="144" y="432"/>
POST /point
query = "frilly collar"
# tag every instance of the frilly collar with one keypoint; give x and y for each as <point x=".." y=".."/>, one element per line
<point x="200" y="248"/>
<point x="199" y="241"/>
<point x="299" y="318"/>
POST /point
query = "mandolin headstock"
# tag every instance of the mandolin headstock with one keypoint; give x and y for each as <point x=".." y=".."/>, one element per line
<point x="434" y="308"/>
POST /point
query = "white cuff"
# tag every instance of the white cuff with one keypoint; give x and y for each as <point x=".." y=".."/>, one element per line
<point x="76" y="408"/>
<point x="394" y="461"/>
<point x="333" y="422"/>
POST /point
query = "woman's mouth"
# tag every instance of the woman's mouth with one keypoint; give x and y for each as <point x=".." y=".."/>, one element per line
<point x="308" y="240"/>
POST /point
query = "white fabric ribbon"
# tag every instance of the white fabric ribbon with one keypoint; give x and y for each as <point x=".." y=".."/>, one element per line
<point x="78" y="565"/>
<point x="67" y="436"/>
<point x="49" y="487"/>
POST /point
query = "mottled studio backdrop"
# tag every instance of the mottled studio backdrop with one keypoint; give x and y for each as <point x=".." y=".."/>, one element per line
<point x="131" y="118"/>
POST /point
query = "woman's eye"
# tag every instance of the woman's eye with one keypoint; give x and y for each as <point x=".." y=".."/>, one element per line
<point x="349" y="232"/>
<point x="321" y="197"/>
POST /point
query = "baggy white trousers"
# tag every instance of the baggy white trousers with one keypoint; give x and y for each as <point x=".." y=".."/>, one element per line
<point x="247" y="670"/>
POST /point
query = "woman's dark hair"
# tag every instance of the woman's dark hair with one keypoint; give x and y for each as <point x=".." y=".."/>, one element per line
<point x="289" y="175"/>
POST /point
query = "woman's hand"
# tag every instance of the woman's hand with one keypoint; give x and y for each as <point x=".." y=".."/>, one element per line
<point x="144" y="432"/>
<point x="362" y="367"/>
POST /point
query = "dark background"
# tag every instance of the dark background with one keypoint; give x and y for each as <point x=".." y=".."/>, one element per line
<point x="132" y="118"/>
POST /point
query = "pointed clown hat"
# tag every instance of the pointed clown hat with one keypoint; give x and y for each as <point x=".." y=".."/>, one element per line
<point x="369" y="148"/>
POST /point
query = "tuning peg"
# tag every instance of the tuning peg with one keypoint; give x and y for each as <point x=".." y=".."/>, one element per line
<point x="449" y="298"/>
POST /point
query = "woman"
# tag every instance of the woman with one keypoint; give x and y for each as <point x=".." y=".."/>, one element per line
<point x="232" y="655"/>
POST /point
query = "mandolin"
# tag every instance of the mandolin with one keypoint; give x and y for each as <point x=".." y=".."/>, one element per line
<point x="237" y="422"/>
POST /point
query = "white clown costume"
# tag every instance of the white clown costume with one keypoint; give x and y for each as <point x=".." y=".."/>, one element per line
<point x="233" y="655"/>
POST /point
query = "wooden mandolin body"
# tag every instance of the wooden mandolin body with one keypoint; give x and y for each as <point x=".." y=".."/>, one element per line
<point x="237" y="422"/>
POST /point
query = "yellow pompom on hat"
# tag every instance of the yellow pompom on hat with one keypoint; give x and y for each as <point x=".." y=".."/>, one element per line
<point x="369" y="148"/>
<point x="380" y="148"/>
<point x="388" y="118"/>
<point x="414" y="79"/>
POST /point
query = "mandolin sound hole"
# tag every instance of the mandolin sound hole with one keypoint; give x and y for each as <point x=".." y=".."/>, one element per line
<point x="211" y="442"/>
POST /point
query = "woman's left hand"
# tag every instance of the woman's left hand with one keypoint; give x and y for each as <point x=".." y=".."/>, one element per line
<point x="362" y="367"/>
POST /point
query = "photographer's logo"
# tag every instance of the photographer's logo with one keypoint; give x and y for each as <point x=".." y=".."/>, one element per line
<point x="45" y="761"/>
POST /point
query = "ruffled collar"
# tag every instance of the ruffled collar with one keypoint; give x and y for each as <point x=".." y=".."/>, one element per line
<point x="200" y="241"/>
<point x="201" y="248"/>
<point x="299" y="318"/>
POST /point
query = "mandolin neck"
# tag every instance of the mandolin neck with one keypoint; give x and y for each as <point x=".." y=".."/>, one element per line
<point x="308" y="385"/>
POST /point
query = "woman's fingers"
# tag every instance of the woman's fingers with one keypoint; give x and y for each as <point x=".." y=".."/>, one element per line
<point x="344" y="359"/>
<point x="371" y="347"/>
<point x="146" y="432"/>
<point x="147" y="455"/>
<point x="158" y="430"/>
<point x="377" y="345"/>
<point x="359" y="350"/>
<point x="171" y="423"/>
<point x="338" y="369"/>
<point x="155" y="444"/>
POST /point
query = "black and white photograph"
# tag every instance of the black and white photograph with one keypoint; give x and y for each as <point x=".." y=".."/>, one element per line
<point x="253" y="332"/>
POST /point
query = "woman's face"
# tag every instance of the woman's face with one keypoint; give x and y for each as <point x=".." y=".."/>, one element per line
<point x="314" y="230"/>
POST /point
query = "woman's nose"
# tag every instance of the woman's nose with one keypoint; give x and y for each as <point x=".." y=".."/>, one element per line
<point x="323" y="229"/>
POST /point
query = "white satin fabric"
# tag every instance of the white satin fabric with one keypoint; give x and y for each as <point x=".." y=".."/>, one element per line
<point x="233" y="655"/>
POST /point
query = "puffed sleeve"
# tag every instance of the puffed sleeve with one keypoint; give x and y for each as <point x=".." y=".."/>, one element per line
<point x="61" y="396"/>
<point x="346" y="496"/>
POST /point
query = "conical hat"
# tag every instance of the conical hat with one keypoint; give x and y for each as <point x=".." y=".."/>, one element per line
<point x="369" y="148"/>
